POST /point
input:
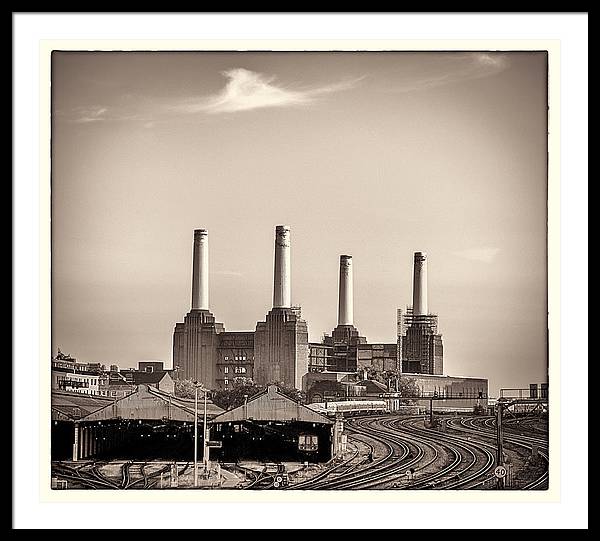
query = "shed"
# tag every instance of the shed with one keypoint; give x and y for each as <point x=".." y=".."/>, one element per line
<point x="148" y="403"/>
<point x="271" y="405"/>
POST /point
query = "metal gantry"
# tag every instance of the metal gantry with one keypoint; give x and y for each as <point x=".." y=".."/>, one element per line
<point x="519" y="396"/>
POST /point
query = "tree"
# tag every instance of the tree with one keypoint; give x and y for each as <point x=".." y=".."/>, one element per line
<point x="382" y="376"/>
<point x="242" y="390"/>
<point x="185" y="388"/>
<point x="293" y="393"/>
<point x="407" y="388"/>
<point x="236" y="396"/>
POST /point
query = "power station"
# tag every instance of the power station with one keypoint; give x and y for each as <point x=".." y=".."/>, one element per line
<point x="422" y="349"/>
<point x="278" y="350"/>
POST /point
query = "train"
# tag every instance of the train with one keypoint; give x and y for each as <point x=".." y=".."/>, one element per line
<point x="351" y="407"/>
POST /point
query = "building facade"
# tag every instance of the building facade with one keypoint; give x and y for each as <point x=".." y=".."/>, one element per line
<point x="276" y="352"/>
<point x="421" y="350"/>
<point x="235" y="359"/>
<point x="68" y="375"/>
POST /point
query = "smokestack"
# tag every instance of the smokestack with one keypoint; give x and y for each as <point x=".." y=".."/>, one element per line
<point x="346" y="299"/>
<point x="200" y="270"/>
<point x="281" y="278"/>
<point x="420" y="285"/>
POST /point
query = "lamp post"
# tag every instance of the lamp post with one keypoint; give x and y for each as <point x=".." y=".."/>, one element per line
<point x="195" y="435"/>
<point x="197" y="386"/>
<point x="205" y="438"/>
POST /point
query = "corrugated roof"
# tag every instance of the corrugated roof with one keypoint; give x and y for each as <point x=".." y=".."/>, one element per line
<point x="71" y="406"/>
<point x="150" y="404"/>
<point x="271" y="405"/>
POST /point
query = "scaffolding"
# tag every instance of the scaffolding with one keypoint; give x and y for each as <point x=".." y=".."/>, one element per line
<point x="420" y="344"/>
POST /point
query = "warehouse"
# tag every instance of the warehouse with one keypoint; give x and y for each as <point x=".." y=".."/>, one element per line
<point x="272" y="427"/>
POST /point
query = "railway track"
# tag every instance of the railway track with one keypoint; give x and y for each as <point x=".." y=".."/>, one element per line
<point x="471" y="461"/>
<point x="397" y="456"/>
<point x="461" y="459"/>
<point x="90" y="476"/>
<point x="343" y="466"/>
<point x="487" y="428"/>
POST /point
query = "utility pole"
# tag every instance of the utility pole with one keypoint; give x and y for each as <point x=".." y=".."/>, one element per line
<point x="431" y="411"/>
<point x="499" y="442"/>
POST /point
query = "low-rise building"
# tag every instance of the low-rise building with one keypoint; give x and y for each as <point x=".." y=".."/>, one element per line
<point x="160" y="380"/>
<point x="64" y="379"/>
<point x="69" y="375"/>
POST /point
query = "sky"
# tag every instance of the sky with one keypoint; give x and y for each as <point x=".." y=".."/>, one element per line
<point x="376" y="155"/>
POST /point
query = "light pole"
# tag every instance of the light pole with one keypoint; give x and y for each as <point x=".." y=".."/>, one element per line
<point x="195" y="434"/>
<point x="205" y="438"/>
<point x="204" y="446"/>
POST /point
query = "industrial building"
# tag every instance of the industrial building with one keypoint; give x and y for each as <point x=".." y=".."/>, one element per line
<point x="272" y="427"/>
<point x="146" y="423"/>
<point x="417" y="350"/>
<point x="278" y="350"/>
<point x="422" y="349"/>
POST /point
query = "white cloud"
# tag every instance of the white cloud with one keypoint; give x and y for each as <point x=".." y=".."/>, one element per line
<point x="90" y="114"/>
<point x="246" y="90"/>
<point x="98" y="113"/>
<point x="455" y="68"/>
<point x="483" y="255"/>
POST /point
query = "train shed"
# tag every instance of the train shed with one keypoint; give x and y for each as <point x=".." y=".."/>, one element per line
<point x="272" y="427"/>
<point x="147" y="423"/>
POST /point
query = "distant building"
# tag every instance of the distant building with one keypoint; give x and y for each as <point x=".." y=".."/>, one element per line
<point x="333" y="386"/>
<point x="276" y="351"/>
<point x="151" y="366"/>
<point x="457" y="391"/>
<point x="421" y="348"/>
<point x="381" y="357"/>
<point x="160" y="380"/>
<point x="114" y="385"/>
<point x="117" y="390"/>
<point x="69" y="375"/>
<point x="345" y="350"/>
<point x="324" y="386"/>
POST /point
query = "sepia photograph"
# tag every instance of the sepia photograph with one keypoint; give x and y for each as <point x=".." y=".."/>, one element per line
<point x="299" y="270"/>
